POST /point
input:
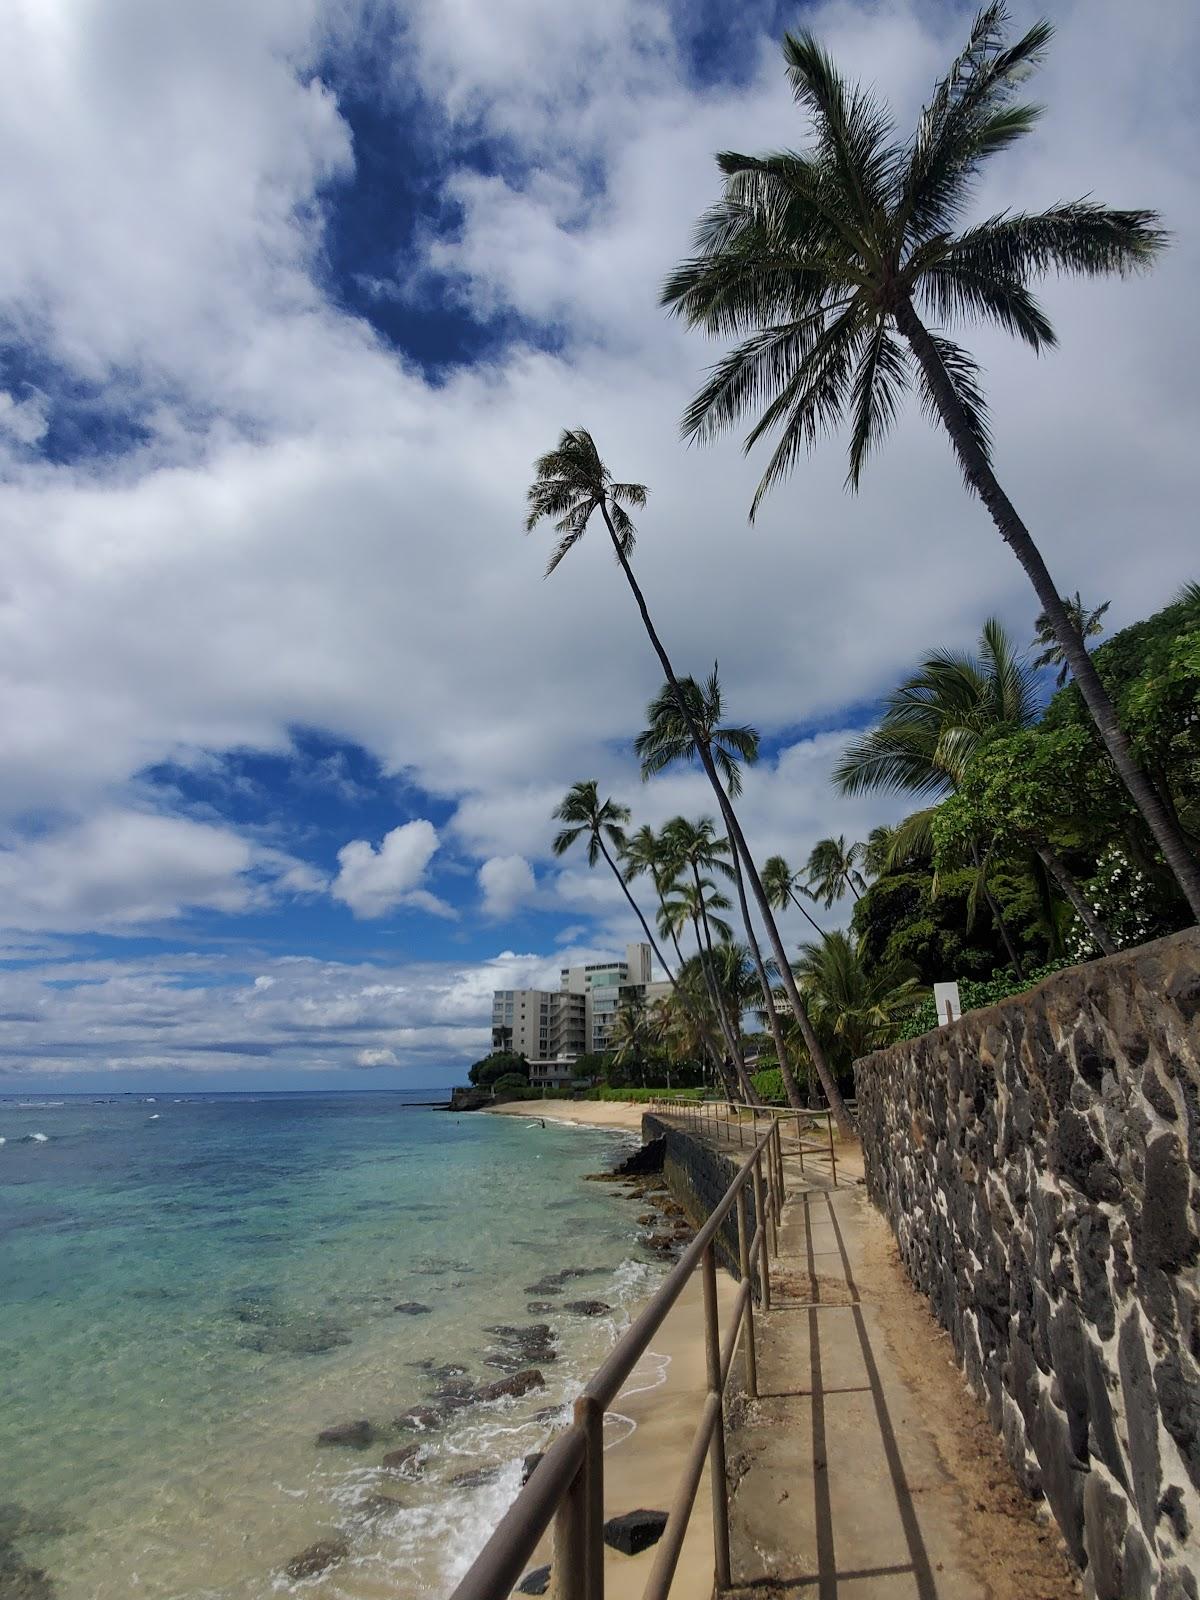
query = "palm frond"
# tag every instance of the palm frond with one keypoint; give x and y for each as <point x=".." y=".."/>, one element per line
<point x="962" y="373"/>
<point x="1078" y="236"/>
<point x="958" y="291"/>
<point x="880" y="381"/>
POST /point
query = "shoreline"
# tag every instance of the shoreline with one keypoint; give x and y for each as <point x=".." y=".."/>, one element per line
<point x="625" y="1115"/>
<point x="644" y="1463"/>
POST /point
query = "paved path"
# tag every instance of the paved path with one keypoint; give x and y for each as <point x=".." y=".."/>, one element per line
<point x="865" y="1470"/>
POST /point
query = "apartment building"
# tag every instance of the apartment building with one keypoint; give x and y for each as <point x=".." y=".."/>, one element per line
<point x="550" y="1028"/>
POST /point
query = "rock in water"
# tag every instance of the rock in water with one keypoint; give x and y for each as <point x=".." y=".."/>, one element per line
<point x="412" y="1308"/>
<point x="535" y="1582"/>
<point x="511" y="1388"/>
<point x="20" y="1581"/>
<point x="475" y="1477"/>
<point x="357" y="1435"/>
<point x="587" y="1308"/>
<point x="317" y="1558"/>
<point x="406" y="1460"/>
<point x="635" y="1531"/>
<point x="529" y="1465"/>
<point x="648" y="1159"/>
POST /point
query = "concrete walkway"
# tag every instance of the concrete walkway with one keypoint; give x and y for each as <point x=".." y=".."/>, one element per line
<point x="865" y="1468"/>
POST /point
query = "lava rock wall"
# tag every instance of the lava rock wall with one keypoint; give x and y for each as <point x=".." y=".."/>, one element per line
<point x="698" y="1177"/>
<point x="1039" y="1162"/>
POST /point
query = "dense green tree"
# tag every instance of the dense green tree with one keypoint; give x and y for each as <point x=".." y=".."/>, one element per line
<point x="829" y="264"/>
<point x="500" y="1064"/>
<point x="859" y="1007"/>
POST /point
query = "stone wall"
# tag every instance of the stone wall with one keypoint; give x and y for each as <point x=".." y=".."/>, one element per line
<point x="698" y="1176"/>
<point x="1039" y="1161"/>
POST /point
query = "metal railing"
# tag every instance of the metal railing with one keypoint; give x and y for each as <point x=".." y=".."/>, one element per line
<point x="567" y="1486"/>
<point x="729" y="1117"/>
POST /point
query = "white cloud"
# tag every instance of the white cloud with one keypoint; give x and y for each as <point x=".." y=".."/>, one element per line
<point x="313" y="524"/>
<point x="376" y="1058"/>
<point x="24" y="421"/>
<point x="373" y="881"/>
<point x="507" y="882"/>
<point x="125" y="869"/>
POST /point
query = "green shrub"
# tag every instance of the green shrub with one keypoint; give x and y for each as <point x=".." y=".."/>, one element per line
<point x="975" y="993"/>
<point x="768" y="1085"/>
<point x="510" y="1080"/>
<point x="640" y="1096"/>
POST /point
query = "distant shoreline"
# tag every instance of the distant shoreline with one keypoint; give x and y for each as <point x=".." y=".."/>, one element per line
<point x="625" y="1115"/>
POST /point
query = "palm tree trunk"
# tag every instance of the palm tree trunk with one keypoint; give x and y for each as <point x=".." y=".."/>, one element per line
<point x="791" y="1087"/>
<point x="979" y="475"/>
<point x="997" y="915"/>
<point x="812" y="1044"/>
<point x="653" y="943"/>
<point x="803" y="910"/>
<point x="717" y="999"/>
<point x="1067" y="883"/>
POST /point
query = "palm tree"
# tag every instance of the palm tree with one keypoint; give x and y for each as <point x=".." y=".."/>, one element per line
<point x="833" y="868"/>
<point x="700" y="904"/>
<point x="632" y="1036"/>
<point x="939" y="717"/>
<point x="932" y="725"/>
<point x="571" y="484"/>
<point x="647" y="852"/>
<point x="817" y="262"/>
<point x="685" y="724"/>
<point x="784" y="889"/>
<point x="1087" y="625"/>
<point x="857" y="1008"/>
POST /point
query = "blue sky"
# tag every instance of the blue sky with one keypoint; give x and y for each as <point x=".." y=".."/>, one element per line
<point x="295" y="294"/>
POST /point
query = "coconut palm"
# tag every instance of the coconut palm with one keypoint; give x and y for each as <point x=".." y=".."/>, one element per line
<point x="571" y="485"/>
<point x="932" y="725"/>
<point x="699" y="905"/>
<point x="784" y="889"/>
<point x="1088" y="624"/>
<point x="826" y="265"/>
<point x="647" y="852"/>
<point x="833" y="868"/>
<point x="684" y="724"/>
<point x="939" y="717"/>
<point x="632" y="1037"/>
<point x="857" y="1008"/>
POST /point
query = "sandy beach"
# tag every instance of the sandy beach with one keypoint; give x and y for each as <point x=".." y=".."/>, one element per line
<point x="589" y="1113"/>
<point x="662" y="1400"/>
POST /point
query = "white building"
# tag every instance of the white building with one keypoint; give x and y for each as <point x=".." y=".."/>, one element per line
<point x="551" y="1028"/>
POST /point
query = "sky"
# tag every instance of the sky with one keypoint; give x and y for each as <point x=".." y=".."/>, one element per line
<point x="292" y="294"/>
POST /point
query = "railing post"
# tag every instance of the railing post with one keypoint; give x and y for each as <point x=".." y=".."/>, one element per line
<point x="569" y="1562"/>
<point x="716" y="1450"/>
<point x="779" y="1166"/>
<point x="800" y="1141"/>
<point x="590" y="1418"/>
<point x="739" y="1123"/>
<point x="832" y="1155"/>
<point x="760" y="1221"/>
<point x="744" y="1270"/>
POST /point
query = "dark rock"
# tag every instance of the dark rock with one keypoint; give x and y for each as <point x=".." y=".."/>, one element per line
<point x="635" y="1531"/>
<point x="1171" y="1507"/>
<point x="1137" y="1565"/>
<point x="1159" y="1095"/>
<point x="420" y="1417"/>
<point x="406" y="1460"/>
<point x="1062" y="1477"/>
<point x="20" y="1581"/>
<point x="475" y="1477"/>
<point x="511" y="1388"/>
<point x="318" y="1557"/>
<point x="22" y="1522"/>
<point x="1141" y="1419"/>
<point x="1076" y="1156"/>
<point x="648" y="1159"/>
<point x="1164" y="1237"/>
<point x="1103" y="1441"/>
<point x="294" y="1338"/>
<point x="587" y="1308"/>
<point x="1179" y="1400"/>
<point x="539" y="1308"/>
<point x="377" y="1504"/>
<point x="412" y="1308"/>
<point x="536" y="1581"/>
<point x="529" y="1465"/>
<point x="1177" y="1585"/>
<point x="357" y="1435"/>
<point x="1106" y="1517"/>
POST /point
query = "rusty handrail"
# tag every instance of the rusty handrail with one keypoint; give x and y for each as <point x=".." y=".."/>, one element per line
<point x="567" y="1485"/>
<point x="705" y="1113"/>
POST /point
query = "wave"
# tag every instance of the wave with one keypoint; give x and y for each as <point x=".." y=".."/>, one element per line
<point x="36" y="1138"/>
<point x="155" y="1117"/>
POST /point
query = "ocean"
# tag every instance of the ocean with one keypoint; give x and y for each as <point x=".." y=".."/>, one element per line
<point x="192" y="1287"/>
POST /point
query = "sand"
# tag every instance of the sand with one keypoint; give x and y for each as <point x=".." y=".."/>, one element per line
<point x="586" y="1113"/>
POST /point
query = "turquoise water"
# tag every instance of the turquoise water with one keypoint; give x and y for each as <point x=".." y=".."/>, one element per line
<point x="190" y="1289"/>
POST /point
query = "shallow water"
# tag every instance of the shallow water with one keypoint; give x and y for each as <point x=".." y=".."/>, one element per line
<point x="191" y="1289"/>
